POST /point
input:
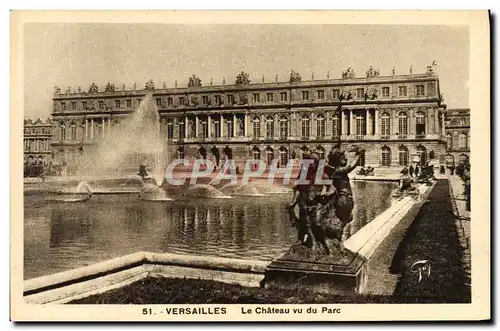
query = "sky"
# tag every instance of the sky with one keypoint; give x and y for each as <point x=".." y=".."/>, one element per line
<point x="73" y="54"/>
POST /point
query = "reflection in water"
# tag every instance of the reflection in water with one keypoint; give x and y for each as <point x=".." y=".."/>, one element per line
<point x="59" y="237"/>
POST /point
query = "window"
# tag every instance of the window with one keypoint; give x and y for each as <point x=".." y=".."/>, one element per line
<point x="335" y="126"/>
<point x="403" y="123"/>
<point x="218" y="100"/>
<point x="283" y="156"/>
<point x="449" y="141"/>
<point x="385" y="124"/>
<point x="420" y="90"/>
<point x="385" y="92"/>
<point x="463" y="140"/>
<point x="73" y="105"/>
<point x="181" y="101"/>
<point x="182" y="129"/>
<point x="138" y="102"/>
<point x="422" y="153"/>
<point x="336" y="94"/>
<point x="360" y="93"/>
<point x="217" y="128"/>
<point x="170" y="130"/>
<point x="101" y="104"/>
<point x="420" y="123"/>
<point x="256" y="153"/>
<point x="72" y="131"/>
<point x="403" y="156"/>
<point x="63" y="105"/>
<point x="170" y="102"/>
<point x="256" y="127"/>
<point x="158" y="102"/>
<point x="84" y="104"/>
<point x="320" y="126"/>
<point x="62" y="131"/>
<point x="360" y="125"/>
<point x="230" y="99"/>
<point x="269" y="97"/>
<point x="385" y="156"/>
<point x="269" y="127"/>
<point x="402" y="91"/>
<point x="321" y="94"/>
<point x="283" y="96"/>
<point x="305" y="126"/>
<point x="204" y="100"/>
<point x="129" y="103"/>
<point x="321" y="152"/>
<point x="230" y="132"/>
<point x="463" y="121"/>
<point x="283" y="127"/>
<point x="305" y="95"/>
<point x="203" y="128"/>
<point x="117" y="103"/>
<point x="269" y="155"/>
<point x="256" y="97"/>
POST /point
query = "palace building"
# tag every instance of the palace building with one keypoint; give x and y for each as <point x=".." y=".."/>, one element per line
<point x="398" y="119"/>
<point x="37" y="139"/>
<point x="457" y="128"/>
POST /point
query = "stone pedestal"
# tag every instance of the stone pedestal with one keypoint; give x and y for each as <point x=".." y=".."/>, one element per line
<point x="338" y="273"/>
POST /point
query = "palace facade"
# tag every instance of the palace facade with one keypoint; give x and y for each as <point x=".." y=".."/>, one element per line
<point x="398" y="119"/>
<point x="457" y="128"/>
<point x="37" y="139"/>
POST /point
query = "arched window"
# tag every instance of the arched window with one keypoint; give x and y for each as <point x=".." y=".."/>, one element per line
<point x="72" y="131"/>
<point x="335" y="126"/>
<point x="320" y="126"/>
<point x="385" y="156"/>
<point x="321" y="152"/>
<point x="403" y="156"/>
<point x="449" y="141"/>
<point x="304" y="150"/>
<point x="283" y="127"/>
<point x="403" y="123"/>
<point x="269" y="155"/>
<point x="283" y="156"/>
<point x="256" y="127"/>
<point x="420" y="123"/>
<point x="269" y="127"/>
<point x="306" y="126"/>
<point x="256" y="153"/>
<point x="463" y="140"/>
<point x="422" y="153"/>
<point x="385" y="124"/>
<point x="62" y="131"/>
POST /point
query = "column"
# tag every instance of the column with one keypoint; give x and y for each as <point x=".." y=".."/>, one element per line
<point x="235" y="133"/>
<point x="369" y="123"/>
<point x="175" y="122"/>
<point x="92" y="129"/>
<point x="435" y="124"/>
<point x="263" y="126"/>
<point x="328" y="127"/>
<point x="222" y="126"/>
<point x="86" y="130"/>
<point x="186" y="124"/>
<point x="276" y="126"/>
<point x="196" y="131"/>
<point x="411" y="122"/>
<point x="343" y="125"/>
<point x="377" y="132"/>
<point x="313" y="125"/>
<point x="442" y="124"/>
<point x="246" y="125"/>
<point x="394" y="122"/>
<point x="109" y="126"/>
<point x="209" y="126"/>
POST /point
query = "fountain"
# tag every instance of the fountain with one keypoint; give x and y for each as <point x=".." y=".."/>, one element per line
<point x="135" y="142"/>
<point x="205" y="191"/>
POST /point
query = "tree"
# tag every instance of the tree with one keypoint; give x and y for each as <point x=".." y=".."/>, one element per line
<point x="242" y="79"/>
<point x="194" y="81"/>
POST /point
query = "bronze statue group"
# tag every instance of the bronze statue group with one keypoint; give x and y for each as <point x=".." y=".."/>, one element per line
<point x="321" y="211"/>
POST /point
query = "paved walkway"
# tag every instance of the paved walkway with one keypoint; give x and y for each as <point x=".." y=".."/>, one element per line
<point x="434" y="236"/>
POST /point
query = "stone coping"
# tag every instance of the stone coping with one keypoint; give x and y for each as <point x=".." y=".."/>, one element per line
<point x="116" y="265"/>
<point x="365" y="241"/>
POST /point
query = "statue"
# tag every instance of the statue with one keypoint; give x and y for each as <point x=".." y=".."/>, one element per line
<point x="295" y="77"/>
<point x="150" y="85"/>
<point x="109" y="87"/>
<point x="93" y="88"/>
<point x="242" y="79"/>
<point x="243" y="99"/>
<point x="194" y="81"/>
<point x="348" y="73"/>
<point x="372" y="72"/>
<point x="323" y="210"/>
<point x="57" y="90"/>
